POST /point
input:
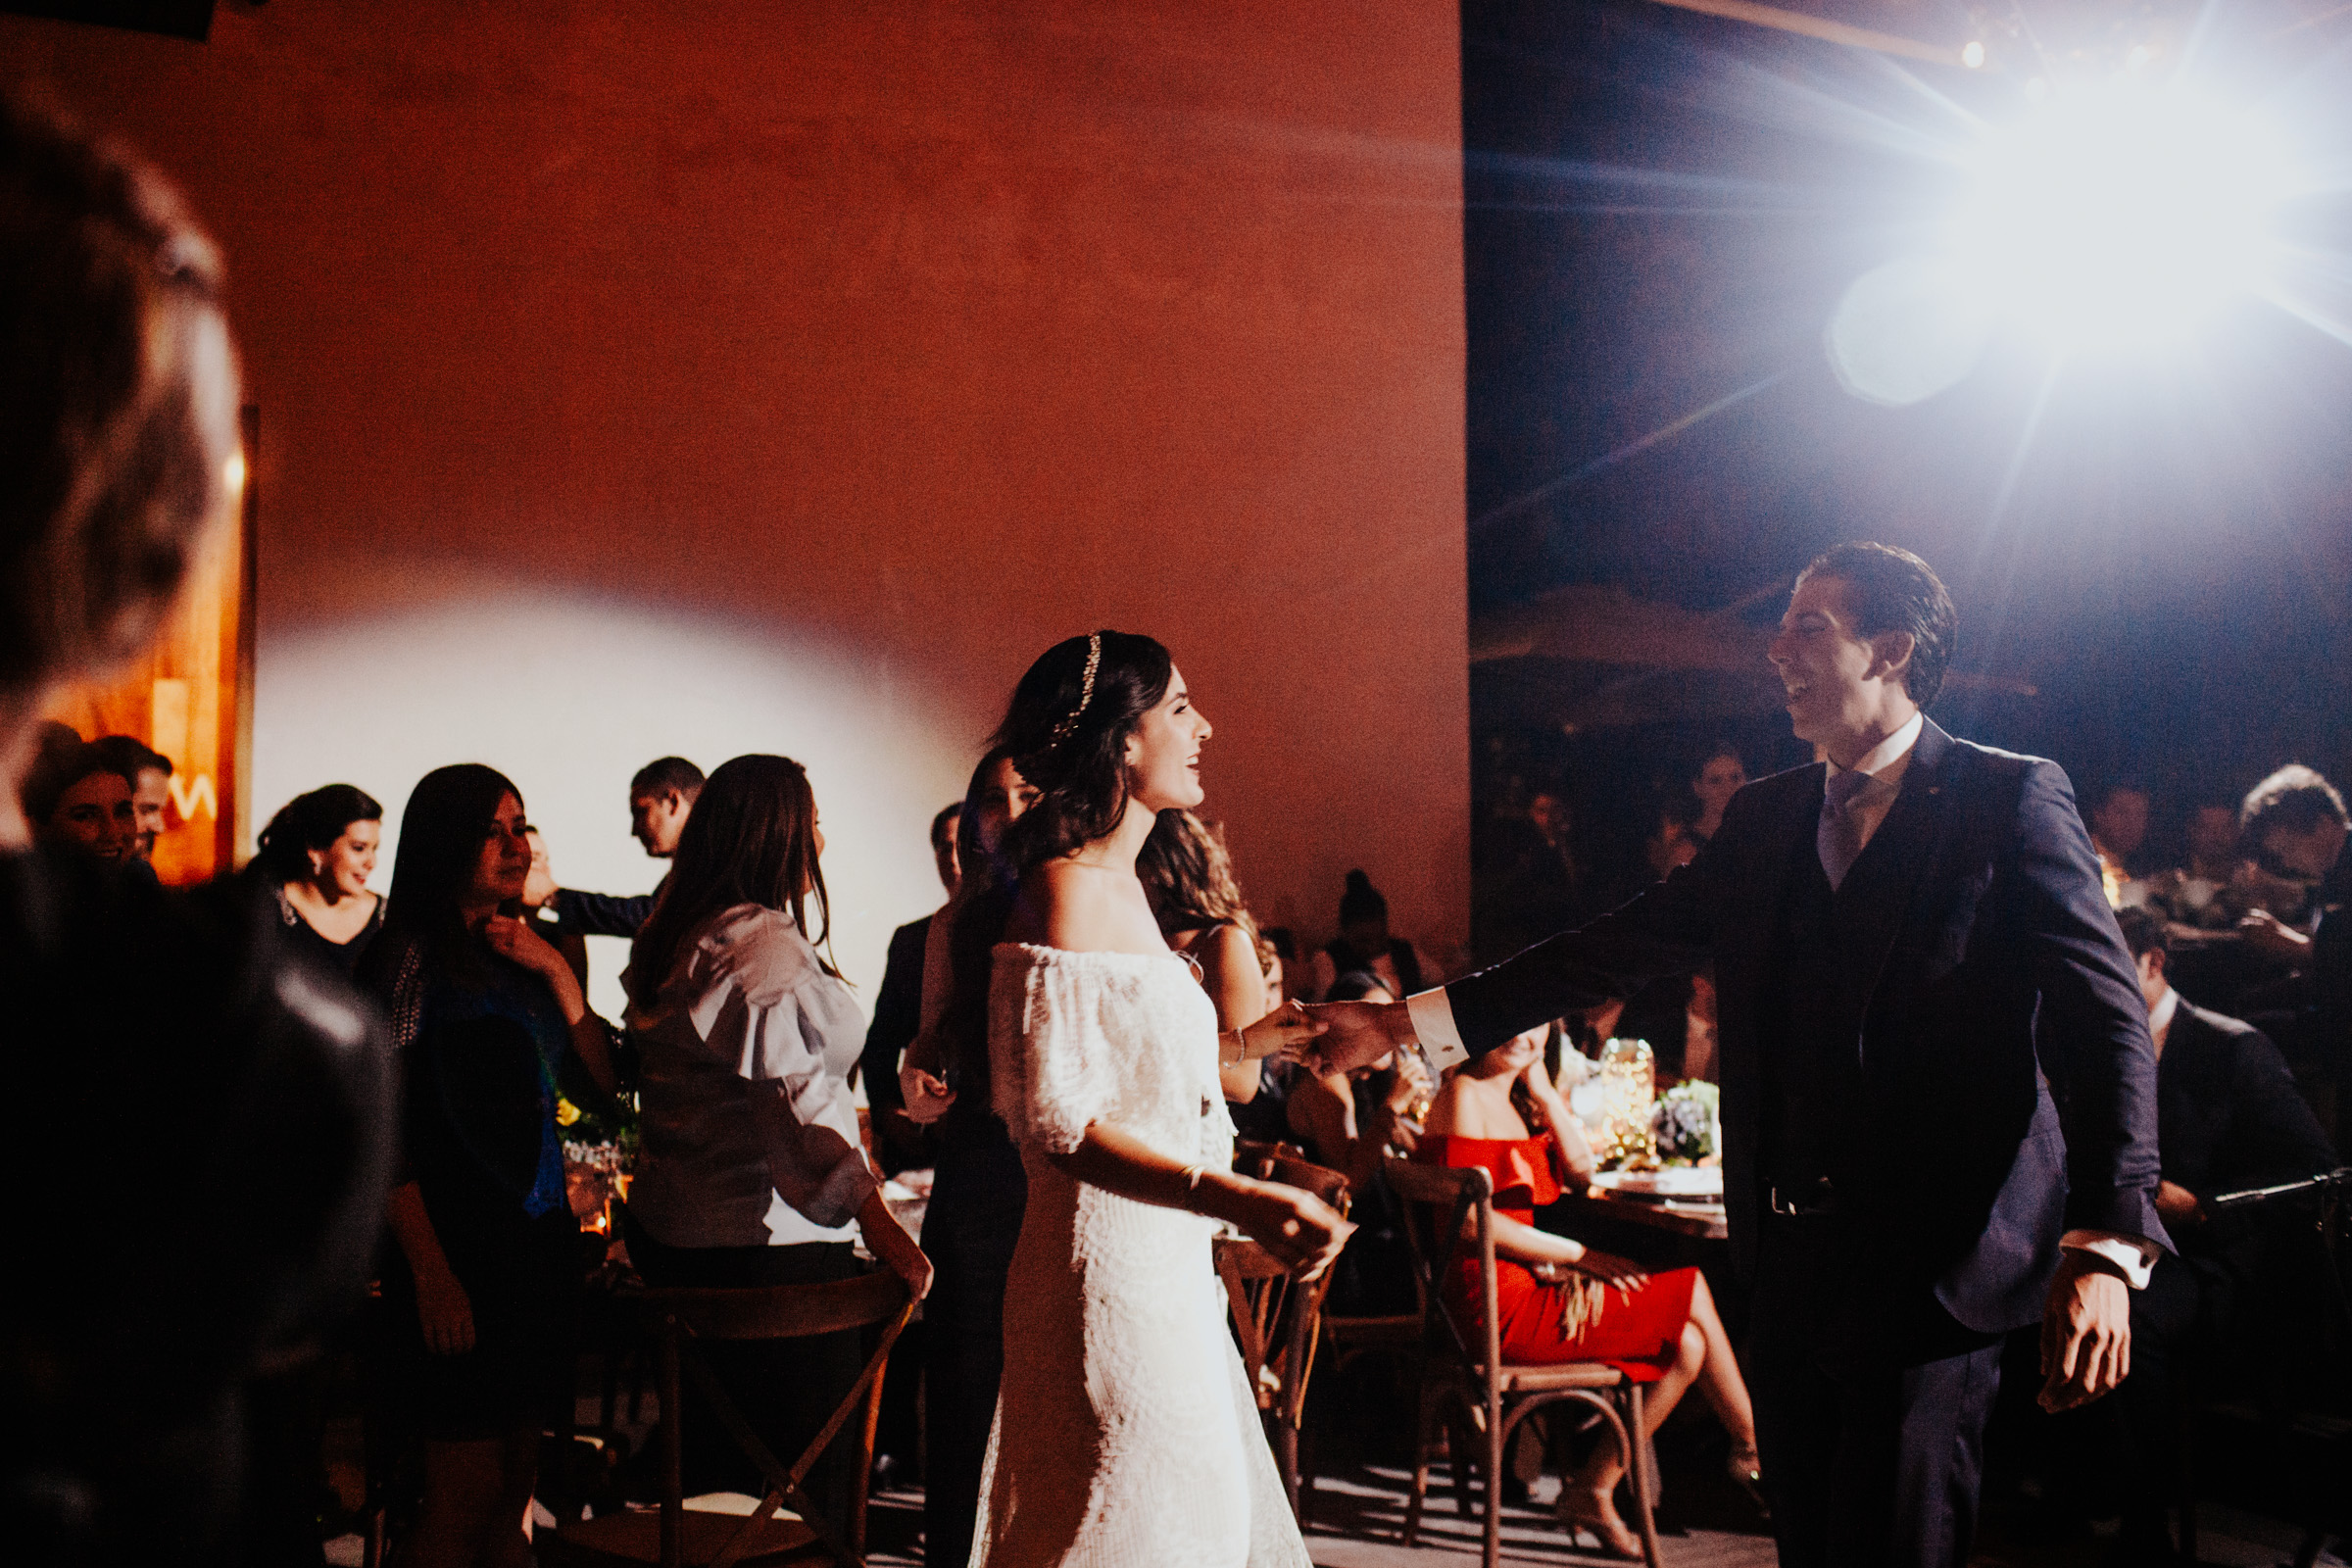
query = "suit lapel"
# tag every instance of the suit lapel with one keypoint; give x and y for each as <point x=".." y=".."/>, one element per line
<point x="1876" y="897"/>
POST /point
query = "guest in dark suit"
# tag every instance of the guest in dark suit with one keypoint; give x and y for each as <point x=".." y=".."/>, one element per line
<point x="662" y="797"/>
<point x="898" y="1016"/>
<point x="2228" y="1119"/>
<point x="979" y="1192"/>
<point x="1890" y="933"/>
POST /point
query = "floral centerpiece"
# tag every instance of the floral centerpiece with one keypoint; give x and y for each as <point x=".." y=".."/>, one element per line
<point x="600" y="1155"/>
<point x="1684" y="1122"/>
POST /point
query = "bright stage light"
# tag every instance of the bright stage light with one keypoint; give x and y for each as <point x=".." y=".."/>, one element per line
<point x="2106" y="219"/>
<point x="2122" y="215"/>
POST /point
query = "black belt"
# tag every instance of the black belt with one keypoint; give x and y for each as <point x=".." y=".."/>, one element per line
<point x="1813" y="1199"/>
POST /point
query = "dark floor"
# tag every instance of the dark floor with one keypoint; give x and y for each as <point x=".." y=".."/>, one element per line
<point x="1356" y="1512"/>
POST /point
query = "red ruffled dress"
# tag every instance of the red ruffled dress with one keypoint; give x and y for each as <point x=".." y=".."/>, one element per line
<point x="1637" y="1332"/>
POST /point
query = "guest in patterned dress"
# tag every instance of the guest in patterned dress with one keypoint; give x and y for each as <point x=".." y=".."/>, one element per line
<point x="1561" y="1300"/>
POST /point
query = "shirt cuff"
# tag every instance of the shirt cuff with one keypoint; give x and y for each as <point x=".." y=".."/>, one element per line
<point x="2135" y="1255"/>
<point x="1433" y="1027"/>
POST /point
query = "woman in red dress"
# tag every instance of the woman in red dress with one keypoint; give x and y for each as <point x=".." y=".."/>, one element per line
<point x="1560" y="1300"/>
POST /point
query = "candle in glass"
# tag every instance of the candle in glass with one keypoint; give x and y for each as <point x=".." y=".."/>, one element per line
<point x="1629" y="1086"/>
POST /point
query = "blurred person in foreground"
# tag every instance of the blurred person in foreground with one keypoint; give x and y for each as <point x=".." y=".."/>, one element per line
<point x="661" y="799"/>
<point x="130" y="1323"/>
<point x="1898" y="934"/>
<point x="752" y="1174"/>
<point x="316" y="857"/>
<point x="2228" y="1119"/>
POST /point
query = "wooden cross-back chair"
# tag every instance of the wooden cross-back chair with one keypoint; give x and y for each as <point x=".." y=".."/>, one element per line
<point x="674" y="1538"/>
<point x="1449" y="1217"/>
<point x="1275" y="1316"/>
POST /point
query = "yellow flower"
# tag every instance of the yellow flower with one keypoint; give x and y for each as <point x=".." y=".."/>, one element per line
<point x="565" y="1111"/>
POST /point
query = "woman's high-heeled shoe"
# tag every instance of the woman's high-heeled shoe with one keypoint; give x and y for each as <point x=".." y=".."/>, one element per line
<point x="1582" y="1508"/>
<point x="1747" y="1468"/>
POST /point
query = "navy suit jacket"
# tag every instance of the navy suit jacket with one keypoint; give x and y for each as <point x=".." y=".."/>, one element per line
<point x="1993" y="970"/>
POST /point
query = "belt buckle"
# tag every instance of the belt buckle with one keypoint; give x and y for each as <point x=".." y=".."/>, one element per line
<point x="1824" y="1197"/>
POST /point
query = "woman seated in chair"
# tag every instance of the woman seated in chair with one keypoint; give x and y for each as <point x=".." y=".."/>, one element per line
<point x="1350" y="1122"/>
<point x="752" y="1173"/>
<point x="1560" y="1300"/>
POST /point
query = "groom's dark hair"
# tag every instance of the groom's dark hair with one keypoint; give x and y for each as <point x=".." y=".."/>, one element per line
<point x="1893" y="590"/>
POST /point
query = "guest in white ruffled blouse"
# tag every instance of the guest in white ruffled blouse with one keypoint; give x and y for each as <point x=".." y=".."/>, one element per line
<point x="1125" y="1431"/>
<point x="750" y="1172"/>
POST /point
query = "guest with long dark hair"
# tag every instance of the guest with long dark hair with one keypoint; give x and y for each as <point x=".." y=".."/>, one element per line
<point x="978" y="1190"/>
<point x="142" y="1292"/>
<point x="1125" y="1428"/>
<point x="1188" y="876"/>
<point x="482" y="1286"/>
<point x="752" y="1172"/>
<point x="316" y="857"/>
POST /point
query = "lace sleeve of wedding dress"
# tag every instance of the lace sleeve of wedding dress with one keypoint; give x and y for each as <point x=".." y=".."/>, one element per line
<point x="1056" y="1069"/>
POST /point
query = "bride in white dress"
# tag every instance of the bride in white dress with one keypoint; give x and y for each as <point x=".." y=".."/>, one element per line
<point x="1125" y="1431"/>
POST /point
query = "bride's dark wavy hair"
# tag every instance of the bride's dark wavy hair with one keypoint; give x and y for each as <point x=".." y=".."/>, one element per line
<point x="1071" y="744"/>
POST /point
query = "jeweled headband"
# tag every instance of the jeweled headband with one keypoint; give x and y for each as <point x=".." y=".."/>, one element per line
<point x="1086" y="691"/>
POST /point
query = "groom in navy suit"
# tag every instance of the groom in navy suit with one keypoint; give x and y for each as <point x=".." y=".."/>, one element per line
<point x="1916" y="969"/>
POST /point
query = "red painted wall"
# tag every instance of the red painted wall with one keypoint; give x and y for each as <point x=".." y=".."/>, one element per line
<point x="905" y="337"/>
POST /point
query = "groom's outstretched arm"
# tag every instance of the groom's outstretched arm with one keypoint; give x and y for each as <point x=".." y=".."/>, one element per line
<point x="1669" y="929"/>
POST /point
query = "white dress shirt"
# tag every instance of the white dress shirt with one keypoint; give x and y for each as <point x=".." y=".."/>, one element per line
<point x="1886" y="763"/>
<point x="750" y="1137"/>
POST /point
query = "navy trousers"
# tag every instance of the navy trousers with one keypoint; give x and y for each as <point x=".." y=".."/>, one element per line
<point x="1871" y="1403"/>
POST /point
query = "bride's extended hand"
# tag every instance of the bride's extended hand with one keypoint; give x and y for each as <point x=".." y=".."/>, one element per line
<point x="1299" y="1228"/>
<point x="1287" y="1031"/>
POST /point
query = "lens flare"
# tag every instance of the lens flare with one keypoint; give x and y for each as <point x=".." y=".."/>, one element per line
<point x="2112" y="219"/>
<point x="2122" y="215"/>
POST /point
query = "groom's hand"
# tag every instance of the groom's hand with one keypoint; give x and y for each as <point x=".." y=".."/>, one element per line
<point x="2086" y="1331"/>
<point x="1357" y="1034"/>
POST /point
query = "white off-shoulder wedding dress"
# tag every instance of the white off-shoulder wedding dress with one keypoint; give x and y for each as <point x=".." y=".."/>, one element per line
<point x="1126" y="1436"/>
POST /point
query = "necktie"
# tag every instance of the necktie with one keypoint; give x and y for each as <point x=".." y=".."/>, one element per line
<point x="1839" y="838"/>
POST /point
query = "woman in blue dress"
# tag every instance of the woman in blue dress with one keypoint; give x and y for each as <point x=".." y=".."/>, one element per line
<point x="484" y="1282"/>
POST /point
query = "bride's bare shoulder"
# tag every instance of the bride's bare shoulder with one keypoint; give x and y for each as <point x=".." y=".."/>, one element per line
<point x="1083" y="908"/>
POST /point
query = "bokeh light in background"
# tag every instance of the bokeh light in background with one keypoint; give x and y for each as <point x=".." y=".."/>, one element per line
<point x="570" y="697"/>
<point x="2107" y="219"/>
